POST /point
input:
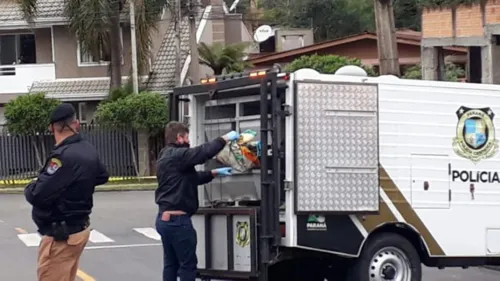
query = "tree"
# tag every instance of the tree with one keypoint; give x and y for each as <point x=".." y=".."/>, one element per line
<point x="28" y="115"/>
<point x="96" y="24"/>
<point x="332" y="19"/>
<point x="327" y="64"/>
<point x="145" y="111"/>
<point x="222" y="58"/>
<point x="453" y="72"/>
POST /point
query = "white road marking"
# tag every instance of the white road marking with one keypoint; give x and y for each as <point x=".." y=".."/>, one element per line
<point x="122" y="246"/>
<point x="97" y="237"/>
<point x="30" y="239"/>
<point x="149" y="232"/>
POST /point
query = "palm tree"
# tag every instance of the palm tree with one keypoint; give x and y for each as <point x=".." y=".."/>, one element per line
<point x="96" y="25"/>
<point x="220" y="58"/>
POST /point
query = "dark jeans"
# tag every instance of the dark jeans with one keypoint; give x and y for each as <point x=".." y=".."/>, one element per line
<point x="179" y="240"/>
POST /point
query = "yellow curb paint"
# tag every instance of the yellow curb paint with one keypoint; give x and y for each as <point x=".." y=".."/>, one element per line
<point x="80" y="274"/>
<point x="111" y="179"/>
<point x="84" y="276"/>
<point x="21" y="230"/>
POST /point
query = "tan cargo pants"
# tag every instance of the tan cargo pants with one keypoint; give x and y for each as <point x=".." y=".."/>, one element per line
<point x="58" y="260"/>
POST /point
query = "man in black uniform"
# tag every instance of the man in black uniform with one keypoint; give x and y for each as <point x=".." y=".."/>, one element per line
<point x="177" y="197"/>
<point x="62" y="197"/>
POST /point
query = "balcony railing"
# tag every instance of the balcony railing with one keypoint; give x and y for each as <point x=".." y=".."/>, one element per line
<point x="16" y="79"/>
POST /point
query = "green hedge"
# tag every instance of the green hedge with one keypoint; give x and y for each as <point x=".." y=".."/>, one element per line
<point x="446" y="3"/>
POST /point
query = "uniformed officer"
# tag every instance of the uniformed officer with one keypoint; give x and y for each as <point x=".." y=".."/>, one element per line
<point x="62" y="197"/>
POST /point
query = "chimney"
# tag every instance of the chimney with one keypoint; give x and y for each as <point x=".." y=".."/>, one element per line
<point x="218" y="22"/>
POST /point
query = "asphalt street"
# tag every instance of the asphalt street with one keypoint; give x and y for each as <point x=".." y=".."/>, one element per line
<point x="124" y="245"/>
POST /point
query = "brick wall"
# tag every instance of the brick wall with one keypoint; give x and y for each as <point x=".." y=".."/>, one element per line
<point x="492" y="12"/>
<point x="469" y="20"/>
<point x="437" y="23"/>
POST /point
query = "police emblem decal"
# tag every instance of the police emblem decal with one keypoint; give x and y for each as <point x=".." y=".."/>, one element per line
<point x="242" y="234"/>
<point x="475" y="137"/>
<point x="53" y="165"/>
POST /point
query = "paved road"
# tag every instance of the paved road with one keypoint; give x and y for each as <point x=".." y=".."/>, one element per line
<point x="124" y="246"/>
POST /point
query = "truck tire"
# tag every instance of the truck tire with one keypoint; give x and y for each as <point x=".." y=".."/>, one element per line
<point x="387" y="256"/>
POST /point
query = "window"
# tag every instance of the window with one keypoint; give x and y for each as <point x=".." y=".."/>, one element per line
<point x="86" y="59"/>
<point x="17" y="49"/>
<point x="82" y="112"/>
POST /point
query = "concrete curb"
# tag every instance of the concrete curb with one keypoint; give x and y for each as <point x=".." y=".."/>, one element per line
<point x="104" y="188"/>
<point x="492" y="267"/>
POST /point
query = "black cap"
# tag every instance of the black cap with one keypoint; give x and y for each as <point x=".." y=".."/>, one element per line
<point x="62" y="112"/>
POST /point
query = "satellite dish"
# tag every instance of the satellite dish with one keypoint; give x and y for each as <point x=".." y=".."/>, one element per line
<point x="262" y="33"/>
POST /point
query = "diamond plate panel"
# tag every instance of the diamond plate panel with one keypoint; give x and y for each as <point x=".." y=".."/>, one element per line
<point x="337" y="148"/>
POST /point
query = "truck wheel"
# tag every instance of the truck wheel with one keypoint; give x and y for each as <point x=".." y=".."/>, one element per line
<point x="387" y="257"/>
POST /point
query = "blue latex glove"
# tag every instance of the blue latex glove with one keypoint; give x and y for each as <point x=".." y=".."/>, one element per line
<point x="226" y="171"/>
<point x="232" y="136"/>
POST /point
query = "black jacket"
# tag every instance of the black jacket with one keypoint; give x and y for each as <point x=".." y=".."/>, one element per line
<point x="63" y="191"/>
<point x="177" y="178"/>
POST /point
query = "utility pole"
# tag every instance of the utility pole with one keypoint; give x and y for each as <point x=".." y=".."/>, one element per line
<point x="178" y="25"/>
<point x="386" y="38"/>
<point x="135" y="74"/>
<point x="194" y="65"/>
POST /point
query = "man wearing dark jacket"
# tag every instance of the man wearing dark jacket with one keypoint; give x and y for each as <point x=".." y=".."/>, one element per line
<point x="177" y="197"/>
<point x="62" y="197"/>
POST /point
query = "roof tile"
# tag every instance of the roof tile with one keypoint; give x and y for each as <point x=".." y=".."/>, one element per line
<point x="61" y="88"/>
<point x="163" y="71"/>
<point x="11" y="11"/>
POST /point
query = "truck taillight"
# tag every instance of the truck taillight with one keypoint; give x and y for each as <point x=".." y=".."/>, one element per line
<point x="282" y="230"/>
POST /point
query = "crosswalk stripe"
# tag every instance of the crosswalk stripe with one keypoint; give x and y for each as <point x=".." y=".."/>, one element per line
<point x="97" y="237"/>
<point x="30" y="239"/>
<point x="149" y="232"/>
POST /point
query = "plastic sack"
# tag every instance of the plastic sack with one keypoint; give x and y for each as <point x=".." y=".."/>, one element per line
<point x="241" y="155"/>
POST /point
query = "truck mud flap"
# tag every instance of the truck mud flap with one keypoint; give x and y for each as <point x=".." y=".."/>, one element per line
<point x="227" y="242"/>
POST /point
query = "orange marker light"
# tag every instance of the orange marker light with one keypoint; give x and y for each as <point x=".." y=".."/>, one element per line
<point x="212" y="80"/>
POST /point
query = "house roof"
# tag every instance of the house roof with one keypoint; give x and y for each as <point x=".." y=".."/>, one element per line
<point x="48" y="11"/>
<point x="62" y="89"/>
<point x="408" y="37"/>
<point x="163" y="70"/>
<point x="68" y="89"/>
<point x="11" y="11"/>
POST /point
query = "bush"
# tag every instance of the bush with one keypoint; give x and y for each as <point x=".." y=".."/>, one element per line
<point x="143" y="112"/>
<point x="453" y="72"/>
<point x="327" y="64"/>
<point x="29" y="114"/>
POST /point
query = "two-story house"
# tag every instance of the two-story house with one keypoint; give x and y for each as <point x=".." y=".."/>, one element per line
<point x="45" y="56"/>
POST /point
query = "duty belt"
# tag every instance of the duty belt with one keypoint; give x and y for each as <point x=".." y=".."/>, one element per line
<point x="60" y="230"/>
